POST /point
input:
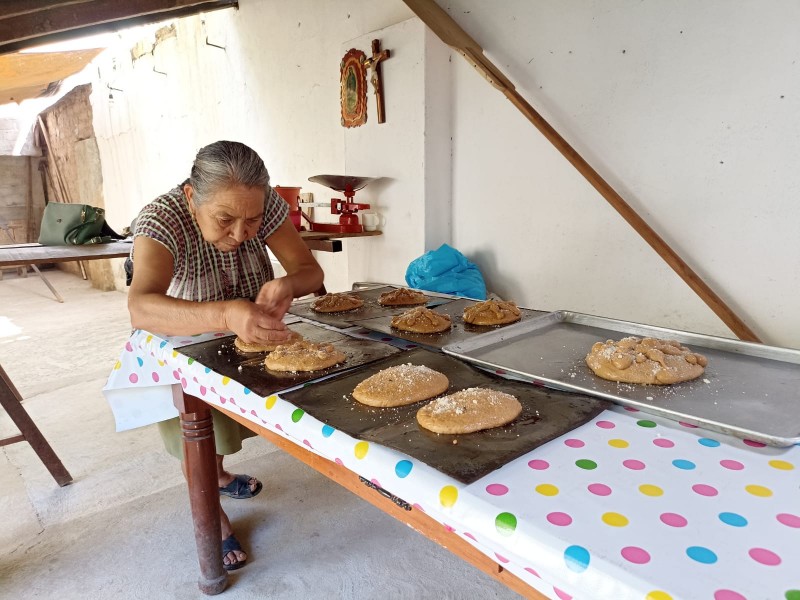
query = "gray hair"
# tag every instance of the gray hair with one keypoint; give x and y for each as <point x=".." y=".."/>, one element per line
<point x="224" y="164"/>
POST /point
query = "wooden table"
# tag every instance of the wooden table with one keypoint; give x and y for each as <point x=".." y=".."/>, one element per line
<point x="24" y="255"/>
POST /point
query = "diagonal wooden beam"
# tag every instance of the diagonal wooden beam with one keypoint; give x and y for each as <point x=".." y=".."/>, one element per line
<point x="454" y="36"/>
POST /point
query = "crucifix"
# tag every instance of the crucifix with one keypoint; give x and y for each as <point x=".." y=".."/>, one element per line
<point x="374" y="62"/>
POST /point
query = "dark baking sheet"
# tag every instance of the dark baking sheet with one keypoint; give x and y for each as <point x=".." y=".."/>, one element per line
<point x="248" y="368"/>
<point x="370" y="309"/>
<point x="458" y="332"/>
<point x="546" y="414"/>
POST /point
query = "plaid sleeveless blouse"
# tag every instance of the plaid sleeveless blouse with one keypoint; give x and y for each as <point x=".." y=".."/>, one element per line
<point x="201" y="272"/>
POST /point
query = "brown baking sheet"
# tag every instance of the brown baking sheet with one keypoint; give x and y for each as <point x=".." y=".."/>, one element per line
<point x="459" y="331"/>
<point x="248" y="369"/>
<point x="370" y="309"/>
<point x="546" y="414"/>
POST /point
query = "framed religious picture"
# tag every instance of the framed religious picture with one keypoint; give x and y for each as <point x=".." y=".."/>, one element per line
<point x="354" y="88"/>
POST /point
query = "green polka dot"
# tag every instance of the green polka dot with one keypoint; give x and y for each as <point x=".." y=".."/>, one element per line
<point x="297" y="415"/>
<point x="505" y="523"/>
<point x="190" y="361"/>
<point x="645" y="423"/>
<point x="587" y="464"/>
<point x="793" y="595"/>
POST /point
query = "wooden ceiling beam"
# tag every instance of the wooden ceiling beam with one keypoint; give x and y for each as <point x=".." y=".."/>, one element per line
<point x="34" y="22"/>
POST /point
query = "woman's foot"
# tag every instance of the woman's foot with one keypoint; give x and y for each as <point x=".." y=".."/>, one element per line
<point x="233" y="557"/>
<point x="239" y="486"/>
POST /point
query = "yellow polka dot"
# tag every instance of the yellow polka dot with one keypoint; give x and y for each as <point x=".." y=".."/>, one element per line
<point x="618" y="443"/>
<point x="759" y="490"/>
<point x="147" y="339"/>
<point x="226" y="380"/>
<point x="271" y="400"/>
<point x="174" y="354"/>
<point x="615" y="519"/>
<point x="361" y="449"/>
<point x="651" y="490"/>
<point x="658" y="595"/>
<point x="117" y="365"/>
<point x="161" y="363"/>
<point x="546" y="489"/>
<point x="781" y="464"/>
<point x="448" y="496"/>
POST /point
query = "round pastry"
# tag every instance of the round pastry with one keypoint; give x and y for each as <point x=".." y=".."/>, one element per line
<point x="401" y="385"/>
<point x="648" y="360"/>
<point x="492" y="312"/>
<point x="402" y="297"/>
<point x="470" y="410"/>
<point x="421" y="320"/>
<point x="303" y="356"/>
<point x="266" y="347"/>
<point x="341" y="302"/>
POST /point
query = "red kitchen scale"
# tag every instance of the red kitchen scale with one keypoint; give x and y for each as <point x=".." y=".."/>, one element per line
<point x="346" y="209"/>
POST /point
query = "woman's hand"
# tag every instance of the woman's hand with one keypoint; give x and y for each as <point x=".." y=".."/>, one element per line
<point x="253" y="323"/>
<point x="275" y="297"/>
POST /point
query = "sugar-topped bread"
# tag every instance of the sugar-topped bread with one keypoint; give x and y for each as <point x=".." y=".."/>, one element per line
<point x="401" y="385"/>
<point x="492" y="312"/>
<point x="470" y="410"/>
<point x="422" y="320"/>
<point x="304" y="356"/>
<point x="336" y="303"/>
<point x="402" y="297"/>
<point x="265" y="347"/>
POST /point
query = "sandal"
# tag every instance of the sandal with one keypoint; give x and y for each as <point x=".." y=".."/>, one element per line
<point x="231" y="544"/>
<point x="239" y="488"/>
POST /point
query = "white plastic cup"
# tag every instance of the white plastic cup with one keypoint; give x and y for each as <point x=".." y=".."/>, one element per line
<point x="370" y="220"/>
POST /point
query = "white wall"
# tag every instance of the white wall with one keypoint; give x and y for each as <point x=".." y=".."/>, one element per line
<point x="690" y="110"/>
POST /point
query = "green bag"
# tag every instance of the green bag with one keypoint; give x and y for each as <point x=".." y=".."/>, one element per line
<point x="72" y="225"/>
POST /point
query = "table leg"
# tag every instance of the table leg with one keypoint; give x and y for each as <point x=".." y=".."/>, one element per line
<point x="11" y="401"/>
<point x="201" y="472"/>
<point x="47" y="283"/>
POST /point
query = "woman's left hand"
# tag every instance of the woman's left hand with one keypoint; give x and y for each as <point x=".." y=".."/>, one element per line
<point x="276" y="296"/>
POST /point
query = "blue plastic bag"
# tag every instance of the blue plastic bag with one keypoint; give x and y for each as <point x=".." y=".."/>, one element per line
<point x="447" y="271"/>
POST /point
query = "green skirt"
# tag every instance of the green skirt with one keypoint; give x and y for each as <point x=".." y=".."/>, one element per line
<point x="228" y="434"/>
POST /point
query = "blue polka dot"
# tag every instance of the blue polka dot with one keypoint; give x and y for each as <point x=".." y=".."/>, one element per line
<point x="577" y="558"/>
<point x="708" y="442"/>
<point x="403" y="468"/>
<point x="701" y="555"/>
<point x="686" y="465"/>
<point x="246" y="391"/>
<point x="162" y="344"/>
<point x="327" y="431"/>
<point x="208" y="370"/>
<point x="140" y="361"/>
<point x="732" y="519"/>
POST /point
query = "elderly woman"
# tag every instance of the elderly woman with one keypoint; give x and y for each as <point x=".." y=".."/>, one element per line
<point x="201" y="265"/>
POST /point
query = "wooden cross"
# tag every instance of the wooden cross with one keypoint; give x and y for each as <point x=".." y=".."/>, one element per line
<point x="374" y="62"/>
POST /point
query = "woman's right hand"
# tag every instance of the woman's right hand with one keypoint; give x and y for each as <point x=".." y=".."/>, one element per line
<point x="253" y="324"/>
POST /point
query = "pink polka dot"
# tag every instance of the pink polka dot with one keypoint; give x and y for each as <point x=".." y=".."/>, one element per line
<point x="496" y="489"/>
<point x="279" y="428"/>
<point x="128" y="347"/>
<point x="469" y="535"/>
<point x="202" y="390"/>
<point x="176" y="375"/>
<point x="562" y="594"/>
<point x="155" y="376"/>
<point x="223" y="400"/>
<point x="754" y="444"/>
<point x="375" y="482"/>
<point x="673" y="520"/>
<point x="605" y="424"/>
<point x="728" y="595"/>
<point x="420" y="509"/>
<point x="663" y="443"/>
<point x="573" y="443"/>
<point x="559" y="518"/>
<point x="631" y="409"/>
<point x="133" y="377"/>
<point x="705" y="490"/>
<point x="338" y="461"/>
<point x="255" y="414"/>
<point x="636" y="555"/>
<point x="634" y="465"/>
<point x="789" y="520"/>
<point x="764" y="556"/>
<point x="532" y="572"/>
<point x="183" y="383"/>
<point x="449" y="528"/>
<point x="599" y="489"/>
<point x="500" y="371"/>
<point x="307" y="443"/>
<point x="539" y="465"/>
<point x="733" y="465"/>
<point x="689" y="425"/>
<point x="502" y="559"/>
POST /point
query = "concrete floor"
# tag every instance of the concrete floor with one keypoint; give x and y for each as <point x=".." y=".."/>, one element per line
<point x="123" y="528"/>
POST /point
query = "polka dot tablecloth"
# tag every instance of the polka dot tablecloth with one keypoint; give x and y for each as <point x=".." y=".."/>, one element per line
<point x="627" y="506"/>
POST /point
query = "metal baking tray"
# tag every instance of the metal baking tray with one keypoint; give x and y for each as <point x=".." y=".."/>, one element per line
<point x="370" y="309"/>
<point x="248" y="368"/>
<point x="546" y="414"/>
<point x="748" y="390"/>
<point x="458" y="332"/>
